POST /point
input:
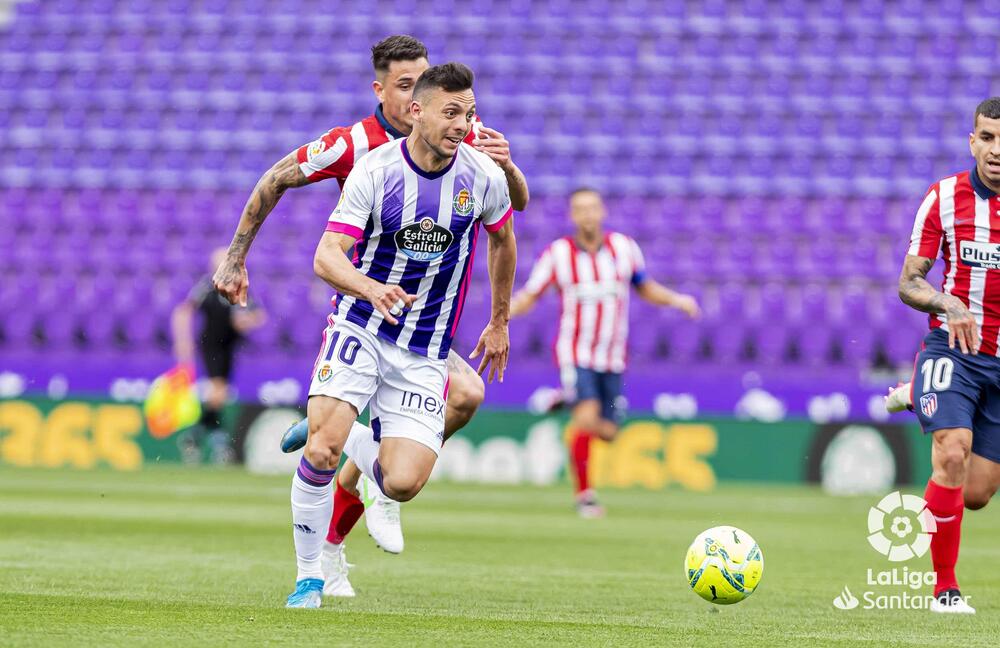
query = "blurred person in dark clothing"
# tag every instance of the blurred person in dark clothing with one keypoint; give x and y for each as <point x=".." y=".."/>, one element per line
<point x="223" y="326"/>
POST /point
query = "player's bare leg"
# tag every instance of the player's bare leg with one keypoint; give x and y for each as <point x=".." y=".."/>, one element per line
<point x="981" y="482"/>
<point x="330" y="422"/>
<point x="404" y="466"/>
<point x="399" y="466"/>
<point x="950" y="459"/>
<point x="466" y="392"/>
<point x="586" y="423"/>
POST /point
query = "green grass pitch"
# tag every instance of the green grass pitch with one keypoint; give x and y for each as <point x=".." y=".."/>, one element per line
<point x="204" y="557"/>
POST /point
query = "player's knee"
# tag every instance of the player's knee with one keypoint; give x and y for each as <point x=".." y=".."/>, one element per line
<point x="607" y="432"/>
<point x="403" y="486"/>
<point x="952" y="459"/>
<point x="975" y="500"/>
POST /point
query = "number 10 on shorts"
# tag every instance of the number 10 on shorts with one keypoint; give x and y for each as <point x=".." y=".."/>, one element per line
<point x="937" y="374"/>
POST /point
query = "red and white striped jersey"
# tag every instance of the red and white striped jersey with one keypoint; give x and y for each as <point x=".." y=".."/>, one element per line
<point x="336" y="152"/>
<point x="593" y="324"/>
<point x="960" y="218"/>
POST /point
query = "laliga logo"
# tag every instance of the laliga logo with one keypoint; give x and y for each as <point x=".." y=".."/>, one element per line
<point x="891" y="527"/>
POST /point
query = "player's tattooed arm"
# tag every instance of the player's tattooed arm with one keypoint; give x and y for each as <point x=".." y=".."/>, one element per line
<point x="517" y="184"/>
<point x="916" y="292"/>
<point x="231" y="279"/>
<point x="494" y="343"/>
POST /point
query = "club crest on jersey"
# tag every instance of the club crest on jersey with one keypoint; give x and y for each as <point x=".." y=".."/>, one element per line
<point x="325" y="373"/>
<point x="928" y="404"/>
<point x="424" y="240"/>
<point x="464" y="202"/>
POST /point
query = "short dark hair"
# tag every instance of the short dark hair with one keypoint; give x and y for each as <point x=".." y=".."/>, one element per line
<point x="450" y="77"/>
<point x="989" y="108"/>
<point x="396" y="48"/>
<point x="584" y="189"/>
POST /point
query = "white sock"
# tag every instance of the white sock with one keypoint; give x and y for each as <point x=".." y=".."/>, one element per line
<point x="312" y="506"/>
<point x="362" y="447"/>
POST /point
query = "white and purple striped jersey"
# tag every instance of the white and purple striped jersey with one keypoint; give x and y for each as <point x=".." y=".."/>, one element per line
<point x="418" y="230"/>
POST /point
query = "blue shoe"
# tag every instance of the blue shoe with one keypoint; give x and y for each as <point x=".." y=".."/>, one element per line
<point x="295" y="437"/>
<point x="308" y="594"/>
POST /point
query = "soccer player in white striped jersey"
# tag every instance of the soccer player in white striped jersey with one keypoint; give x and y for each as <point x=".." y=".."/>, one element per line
<point x="414" y="209"/>
<point x="594" y="271"/>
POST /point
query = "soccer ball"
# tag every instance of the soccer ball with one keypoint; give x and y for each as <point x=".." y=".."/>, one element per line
<point x="724" y="565"/>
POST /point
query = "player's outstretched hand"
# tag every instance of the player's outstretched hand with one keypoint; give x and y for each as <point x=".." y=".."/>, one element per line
<point x="494" y="144"/>
<point x="391" y="301"/>
<point x="232" y="281"/>
<point x="962" y="327"/>
<point x="689" y="306"/>
<point x="494" y="344"/>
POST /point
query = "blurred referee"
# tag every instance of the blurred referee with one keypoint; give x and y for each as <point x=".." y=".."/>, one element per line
<point x="223" y="327"/>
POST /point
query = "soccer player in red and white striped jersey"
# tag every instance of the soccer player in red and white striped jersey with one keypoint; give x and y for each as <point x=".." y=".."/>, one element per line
<point x="398" y="61"/>
<point x="955" y="389"/>
<point x="594" y="271"/>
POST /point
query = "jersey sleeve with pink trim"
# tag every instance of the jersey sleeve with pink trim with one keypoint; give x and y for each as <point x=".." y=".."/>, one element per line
<point x="357" y="200"/>
<point x="925" y="240"/>
<point x="638" y="263"/>
<point x="543" y="274"/>
<point x="329" y="156"/>
<point x="496" y="204"/>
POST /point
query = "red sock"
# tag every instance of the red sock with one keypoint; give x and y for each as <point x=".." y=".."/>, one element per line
<point x="580" y="453"/>
<point x="947" y="506"/>
<point x="347" y="510"/>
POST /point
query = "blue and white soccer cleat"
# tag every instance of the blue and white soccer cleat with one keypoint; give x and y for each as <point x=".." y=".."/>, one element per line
<point x="295" y="436"/>
<point x="308" y="594"/>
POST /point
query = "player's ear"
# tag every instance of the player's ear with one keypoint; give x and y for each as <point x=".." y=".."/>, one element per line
<point x="377" y="89"/>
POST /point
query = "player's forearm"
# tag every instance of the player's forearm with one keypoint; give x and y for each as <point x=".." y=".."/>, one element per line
<point x="658" y="294"/>
<point x="521" y="303"/>
<point x="266" y="194"/>
<point x="332" y="266"/>
<point x="517" y="184"/>
<point x="502" y="262"/>
<point x="916" y="292"/>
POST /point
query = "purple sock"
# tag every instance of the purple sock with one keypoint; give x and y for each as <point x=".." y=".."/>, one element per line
<point x="312" y="476"/>
<point x="377" y="471"/>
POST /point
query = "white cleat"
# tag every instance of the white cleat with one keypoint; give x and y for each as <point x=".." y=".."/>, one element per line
<point x="335" y="568"/>
<point x="951" y="602"/>
<point x="898" y="399"/>
<point x="381" y="517"/>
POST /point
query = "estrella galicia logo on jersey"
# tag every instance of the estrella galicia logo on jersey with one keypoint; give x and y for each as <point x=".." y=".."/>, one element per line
<point x="424" y="241"/>
<point x="325" y="373"/>
<point x="464" y="203"/>
<point x="980" y="255"/>
<point x="928" y="404"/>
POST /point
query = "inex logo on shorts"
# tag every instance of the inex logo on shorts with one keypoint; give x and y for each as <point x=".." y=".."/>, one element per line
<point x="424" y="241"/>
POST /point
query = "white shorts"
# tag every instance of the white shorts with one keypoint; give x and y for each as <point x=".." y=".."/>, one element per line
<point x="406" y="391"/>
